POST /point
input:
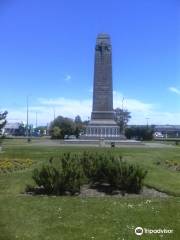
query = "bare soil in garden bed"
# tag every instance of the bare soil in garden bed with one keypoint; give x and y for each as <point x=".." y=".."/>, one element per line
<point x="105" y="191"/>
<point x="87" y="191"/>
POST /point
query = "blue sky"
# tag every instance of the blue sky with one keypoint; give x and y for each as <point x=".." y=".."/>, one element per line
<point x="47" y="52"/>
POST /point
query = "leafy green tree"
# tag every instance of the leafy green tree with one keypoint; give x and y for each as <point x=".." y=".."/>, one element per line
<point x="56" y="132"/>
<point x="78" y="126"/>
<point x="3" y="121"/>
<point x="66" y="126"/>
<point x="78" y="120"/>
<point x="21" y="130"/>
<point x="122" y="117"/>
<point x="140" y="132"/>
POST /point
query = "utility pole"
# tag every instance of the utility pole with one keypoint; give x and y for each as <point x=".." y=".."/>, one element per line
<point x="147" y="121"/>
<point x="27" y="117"/>
<point x="123" y="104"/>
<point x="36" y="119"/>
<point x="27" y="127"/>
<point x="54" y="111"/>
<point x="122" y="116"/>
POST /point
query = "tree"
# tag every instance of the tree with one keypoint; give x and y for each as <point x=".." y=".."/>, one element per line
<point x="3" y="121"/>
<point x="139" y="132"/>
<point x="78" y="120"/>
<point x="22" y="130"/>
<point x="66" y="126"/>
<point x="56" y="132"/>
<point x="78" y="125"/>
<point x="122" y="117"/>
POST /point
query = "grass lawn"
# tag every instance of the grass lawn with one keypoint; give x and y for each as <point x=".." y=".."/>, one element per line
<point x="70" y="218"/>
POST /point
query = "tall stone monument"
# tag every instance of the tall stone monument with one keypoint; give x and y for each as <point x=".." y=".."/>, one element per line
<point x="102" y="124"/>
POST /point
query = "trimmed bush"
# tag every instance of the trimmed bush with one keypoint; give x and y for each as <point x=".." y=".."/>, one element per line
<point x="67" y="177"/>
<point x="96" y="168"/>
<point x="111" y="169"/>
<point x="72" y="172"/>
<point x="49" y="178"/>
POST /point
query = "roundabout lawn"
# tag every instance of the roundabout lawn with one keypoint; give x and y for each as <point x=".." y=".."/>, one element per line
<point x="70" y="218"/>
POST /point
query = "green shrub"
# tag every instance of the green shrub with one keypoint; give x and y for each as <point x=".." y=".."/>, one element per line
<point x="59" y="179"/>
<point x="111" y="169"/>
<point x="96" y="168"/>
<point x="72" y="172"/>
<point x="49" y="178"/>
<point x="127" y="177"/>
<point x="89" y="162"/>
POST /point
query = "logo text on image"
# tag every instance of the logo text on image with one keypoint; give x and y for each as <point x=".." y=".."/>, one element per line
<point x="139" y="231"/>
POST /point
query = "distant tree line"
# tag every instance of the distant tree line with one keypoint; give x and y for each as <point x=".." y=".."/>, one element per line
<point x="122" y="117"/>
<point x="63" y="127"/>
<point x="139" y="132"/>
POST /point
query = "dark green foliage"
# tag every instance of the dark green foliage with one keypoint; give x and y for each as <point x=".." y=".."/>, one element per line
<point x="96" y="168"/>
<point x="122" y="117"/>
<point x="3" y="116"/>
<point x="58" y="179"/>
<point x="73" y="172"/>
<point x="66" y="126"/>
<point x="48" y="177"/>
<point x="139" y="132"/>
<point x="78" y="126"/>
<point x="111" y="169"/>
<point x="56" y="132"/>
<point x="3" y="121"/>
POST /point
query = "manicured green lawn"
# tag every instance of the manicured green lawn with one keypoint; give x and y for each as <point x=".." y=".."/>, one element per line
<point x="70" y="218"/>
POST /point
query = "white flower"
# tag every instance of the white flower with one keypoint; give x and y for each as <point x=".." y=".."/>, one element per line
<point x="130" y="206"/>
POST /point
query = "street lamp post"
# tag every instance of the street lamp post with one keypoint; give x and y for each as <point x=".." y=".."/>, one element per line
<point x="54" y="112"/>
<point x="122" y="116"/>
<point x="147" y="121"/>
<point x="27" y="127"/>
<point x="36" y="119"/>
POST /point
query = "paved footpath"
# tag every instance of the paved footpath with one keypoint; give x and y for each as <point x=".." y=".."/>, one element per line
<point x="61" y="143"/>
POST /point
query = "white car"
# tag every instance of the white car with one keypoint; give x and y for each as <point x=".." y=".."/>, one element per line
<point x="158" y="135"/>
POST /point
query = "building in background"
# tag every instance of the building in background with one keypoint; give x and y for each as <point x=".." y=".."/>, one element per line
<point x="14" y="129"/>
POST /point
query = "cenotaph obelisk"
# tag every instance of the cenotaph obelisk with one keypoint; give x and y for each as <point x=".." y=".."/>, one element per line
<point x="102" y="123"/>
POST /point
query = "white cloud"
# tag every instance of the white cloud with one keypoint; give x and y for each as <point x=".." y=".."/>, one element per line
<point x="67" y="78"/>
<point x="175" y="90"/>
<point x="46" y="107"/>
<point x="131" y="104"/>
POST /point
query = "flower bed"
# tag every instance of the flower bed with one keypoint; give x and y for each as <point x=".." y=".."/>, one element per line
<point x="10" y="165"/>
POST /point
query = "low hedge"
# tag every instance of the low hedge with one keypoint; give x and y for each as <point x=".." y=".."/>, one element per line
<point x="75" y="170"/>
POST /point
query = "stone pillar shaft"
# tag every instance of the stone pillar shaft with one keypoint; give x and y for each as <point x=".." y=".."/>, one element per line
<point x="102" y="90"/>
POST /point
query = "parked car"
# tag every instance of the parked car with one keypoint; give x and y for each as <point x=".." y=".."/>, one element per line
<point x="69" y="137"/>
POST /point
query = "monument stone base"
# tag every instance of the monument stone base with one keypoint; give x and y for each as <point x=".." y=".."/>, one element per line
<point x="103" y="129"/>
